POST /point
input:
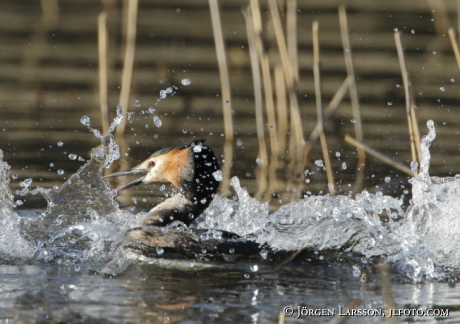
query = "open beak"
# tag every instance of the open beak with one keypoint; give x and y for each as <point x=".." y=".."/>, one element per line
<point x="129" y="172"/>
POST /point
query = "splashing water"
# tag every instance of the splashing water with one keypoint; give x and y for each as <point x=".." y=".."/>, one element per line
<point x="83" y="222"/>
<point x="13" y="246"/>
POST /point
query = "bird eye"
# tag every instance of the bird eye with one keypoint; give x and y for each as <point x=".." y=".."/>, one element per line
<point x="151" y="164"/>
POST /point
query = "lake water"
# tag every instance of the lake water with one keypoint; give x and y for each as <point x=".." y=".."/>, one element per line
<point x="64" y="265"/>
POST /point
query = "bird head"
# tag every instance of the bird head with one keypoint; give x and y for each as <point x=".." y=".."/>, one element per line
<point x="177" y="165"/>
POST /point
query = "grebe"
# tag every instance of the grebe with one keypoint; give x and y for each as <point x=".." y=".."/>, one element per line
<point x="189" y="167"/>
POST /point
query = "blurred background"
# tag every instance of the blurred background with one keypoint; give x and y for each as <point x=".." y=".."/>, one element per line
<point x="50" y="79"/>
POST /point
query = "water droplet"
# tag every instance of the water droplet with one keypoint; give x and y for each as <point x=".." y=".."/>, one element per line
<point x="337" y="154"/>
<point x="26" y="183"/>
<point x="15" y="176"/>
<point x="186" y="81"/>
<point x="412" y="31"/>
<point x="239" y="142"/>
<point x="414" y="166"/>
<point x="353" y="121"/>
<point x="197" y="148"/>
<point x="231" y="250"/>
<point x="217" y="175"/>
<point x="307" y="180"/>
<point x="184" y="131"/>
<point x="19" y="202"/>
<point x="344" y="166"/>
<point x="254" y="268"/>
<point x="387" y="179"/>
<point x="203" y="201"/>
<point x="60" y="144"/>
<point x="452" y="80"/>
<point x="395" y="29"/>
<point x="264" y="254"/>
<point x="157" y="121"/>
<point x="77" y="268"/>
<point x="72" y="156"/>
<point x="390" y="103"/>
<point x="442" y="89"/>
<point x="162" y="188"/>
<point x="85" y="120"/>
<point x="319" y="163"/>
<point x="191" y="263"/>
<point x="160" y="250"/>
<point x="247" y="276"/>
<point x="356" y="271"/>
<point x="60" y="172"/>
<point x="259" y="160"/>
<point x="169" y="90"/>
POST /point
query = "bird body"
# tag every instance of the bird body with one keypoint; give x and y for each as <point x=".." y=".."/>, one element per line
<point x="189" y="167"/>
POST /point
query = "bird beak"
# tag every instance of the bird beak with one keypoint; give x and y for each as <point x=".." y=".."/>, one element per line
<point x="129" y="172"/>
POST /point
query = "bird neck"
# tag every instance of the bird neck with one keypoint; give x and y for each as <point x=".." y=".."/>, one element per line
<point x="201" y="186"/>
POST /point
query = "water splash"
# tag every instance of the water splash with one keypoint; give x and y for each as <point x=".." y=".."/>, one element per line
<point x="430" y="232"/>
<point x="82" y="221"/>
<point x="13" y="246"/>
<point x="315" y="222"/>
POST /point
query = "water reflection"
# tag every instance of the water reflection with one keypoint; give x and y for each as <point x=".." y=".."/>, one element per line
<point x="150" y="293"/>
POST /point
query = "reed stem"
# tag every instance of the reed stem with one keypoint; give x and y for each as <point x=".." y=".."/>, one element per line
<point x="128" y="64"/>
<point x="257" y="82"/>
<point x="226" y="94"/>
<point x="296" y="125"/>
<point x="319" y="108"/>
<point x="414" y="146"/>
<point x="266" y="75"/>
<point x="353" y="93"/>
<point x="102" y="49"/>
<point x="291" y="31"/>
<point x="331" y="108"/>
<point x="378" y="155"/>
<point x="281" y="105"/>
<point x="453" y="41"/>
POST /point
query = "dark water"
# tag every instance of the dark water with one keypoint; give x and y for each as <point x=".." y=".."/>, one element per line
<point x="170" y="291"/>
<point x="48" y="81"/>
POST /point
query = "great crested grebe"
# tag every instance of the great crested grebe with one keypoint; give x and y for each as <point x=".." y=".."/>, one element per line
<point x="189" y="167"/>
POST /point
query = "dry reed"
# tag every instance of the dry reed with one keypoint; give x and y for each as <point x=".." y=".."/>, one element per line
<point x="353" y="94"/>
<point x="319" y="107"/>
<point x="128" y="64"/>
<point x="50" y="13"/>
<point x="410" y="112"/>
<point x="127" y="75"/>
<point x="257" y="82"/>
<point x="378" y="155"/>
<point x="281" y="105"/>
<point x="226" y="94"/>
<point x="297" y="140"/>
<point x="102" y="49"/>
<point x="331" y="108"/>
<point x="453" y="41"/>
<point x="266" y="76"/>
<point x="291" y="31"/>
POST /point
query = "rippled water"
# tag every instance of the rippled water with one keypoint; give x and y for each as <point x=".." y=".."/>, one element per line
<point x="71" y="263"/>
